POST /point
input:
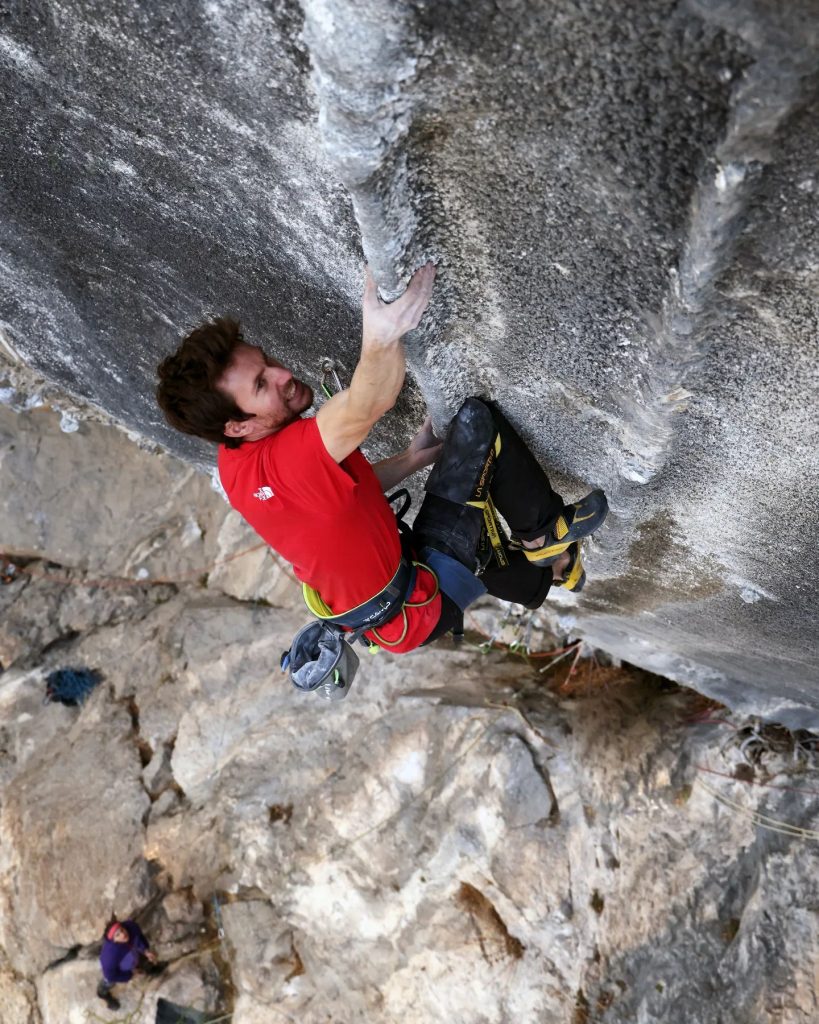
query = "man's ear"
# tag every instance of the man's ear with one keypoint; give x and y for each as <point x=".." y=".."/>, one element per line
<point x="237" y="428"/>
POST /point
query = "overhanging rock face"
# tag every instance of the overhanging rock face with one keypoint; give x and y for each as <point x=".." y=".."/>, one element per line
<point x="622" y="199"/>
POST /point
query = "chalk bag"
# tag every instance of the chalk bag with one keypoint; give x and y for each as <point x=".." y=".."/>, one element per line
<point x="320" y="659"/>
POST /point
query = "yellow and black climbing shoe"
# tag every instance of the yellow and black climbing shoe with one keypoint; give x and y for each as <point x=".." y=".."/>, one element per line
<point x="574" y="523"/>
<point x="574" y="577"/>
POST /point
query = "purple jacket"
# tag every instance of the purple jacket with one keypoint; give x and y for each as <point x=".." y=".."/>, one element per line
<point x="119" y="959"/>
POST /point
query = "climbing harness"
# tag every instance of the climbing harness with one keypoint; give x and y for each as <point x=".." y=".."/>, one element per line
<point x="321" y="657"/>
<point x="373" y="612"/>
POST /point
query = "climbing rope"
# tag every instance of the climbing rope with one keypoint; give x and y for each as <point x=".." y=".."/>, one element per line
<point x="515" y="647"/>
<point x="762" y="820"/>
<point x="755" y="782"/>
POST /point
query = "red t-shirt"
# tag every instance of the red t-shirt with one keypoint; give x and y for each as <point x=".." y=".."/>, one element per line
<point x="330" y="520"/>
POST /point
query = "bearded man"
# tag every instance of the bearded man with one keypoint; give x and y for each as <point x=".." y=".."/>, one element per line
<point x="306" y="488"/>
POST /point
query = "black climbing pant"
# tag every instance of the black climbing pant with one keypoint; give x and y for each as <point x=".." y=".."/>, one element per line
<point x="104" y="992"/>
<point x="524" y="497"/>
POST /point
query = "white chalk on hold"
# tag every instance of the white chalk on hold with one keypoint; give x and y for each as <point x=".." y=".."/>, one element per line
<point x="142" y="574"/>
<point x="191" y="532"/>
<point x="637" y="474"/>
<point x="729" y="176"/>
<point x="749" y="591"/>
<point x="216" y="484"/>
<point x="69" y="424"/>
<point x="123" y="168"/>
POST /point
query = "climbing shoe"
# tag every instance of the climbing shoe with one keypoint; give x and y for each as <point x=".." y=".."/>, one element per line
<point x="574" y="523"/>
<point x="574" y="578"/>
<point x="111" y="1002"/>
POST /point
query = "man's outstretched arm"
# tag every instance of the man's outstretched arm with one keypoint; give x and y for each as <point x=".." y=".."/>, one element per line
<point x="345" y="421"/>
<point x="423" y="450"/>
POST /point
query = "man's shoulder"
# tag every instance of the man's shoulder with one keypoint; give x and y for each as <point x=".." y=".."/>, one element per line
<point x="298" y="431"/>
<point x="265" y="463"/>
<point x="293" y="441"/>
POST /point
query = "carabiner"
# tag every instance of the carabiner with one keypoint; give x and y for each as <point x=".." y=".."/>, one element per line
<point x="328" y="370"/>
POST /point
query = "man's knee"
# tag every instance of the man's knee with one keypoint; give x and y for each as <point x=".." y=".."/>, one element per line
<point x="464" y="468"/>
<point x="478" y="416"/>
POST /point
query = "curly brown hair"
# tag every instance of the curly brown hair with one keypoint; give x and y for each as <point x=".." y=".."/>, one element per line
<point x="188" y="394"/>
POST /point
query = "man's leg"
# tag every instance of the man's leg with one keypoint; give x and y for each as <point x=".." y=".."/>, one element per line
<point x="104" y="992"/>
<point x="520" y="489"/>
<point x="483" y="454"/>
<point x="472" y="463"/>
<point x="524" y="496"/>
<point x="548" y="531"/>
<point x="449" y="526"/>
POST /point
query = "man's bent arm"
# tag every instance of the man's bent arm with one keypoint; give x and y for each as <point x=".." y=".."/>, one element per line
<point x="394" y="470"/>
<point x="345" y="421"/>
<point x="423" y="450"/>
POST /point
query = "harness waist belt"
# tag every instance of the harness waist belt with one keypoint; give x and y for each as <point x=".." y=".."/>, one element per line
<point x="372" y="613"/>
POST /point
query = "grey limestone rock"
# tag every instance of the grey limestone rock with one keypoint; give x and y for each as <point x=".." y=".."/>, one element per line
<point x="463" y="838"/>
<point x="72" y="866"/>
<point x="621" y="199"/>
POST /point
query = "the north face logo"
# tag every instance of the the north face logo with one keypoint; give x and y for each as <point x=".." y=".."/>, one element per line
<point x="264" y="493"/>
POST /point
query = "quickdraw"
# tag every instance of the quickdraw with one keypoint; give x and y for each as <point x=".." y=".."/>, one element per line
<point x="329" y="372"/>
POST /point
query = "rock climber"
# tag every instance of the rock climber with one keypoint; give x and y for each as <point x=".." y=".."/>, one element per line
<point x="124" y="951"/>
<point x="305" y="487"/>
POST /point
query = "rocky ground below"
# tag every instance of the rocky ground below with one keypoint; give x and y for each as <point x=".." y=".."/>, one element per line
<point x="506" y="831"/>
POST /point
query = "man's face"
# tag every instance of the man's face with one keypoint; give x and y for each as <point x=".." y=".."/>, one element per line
<point x="120" y="935"/>
<point x="266" y="389"/>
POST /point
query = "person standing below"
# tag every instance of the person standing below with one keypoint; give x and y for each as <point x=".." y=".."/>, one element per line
<point x="306" y="489"/>
<point x="124" y="951"/>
